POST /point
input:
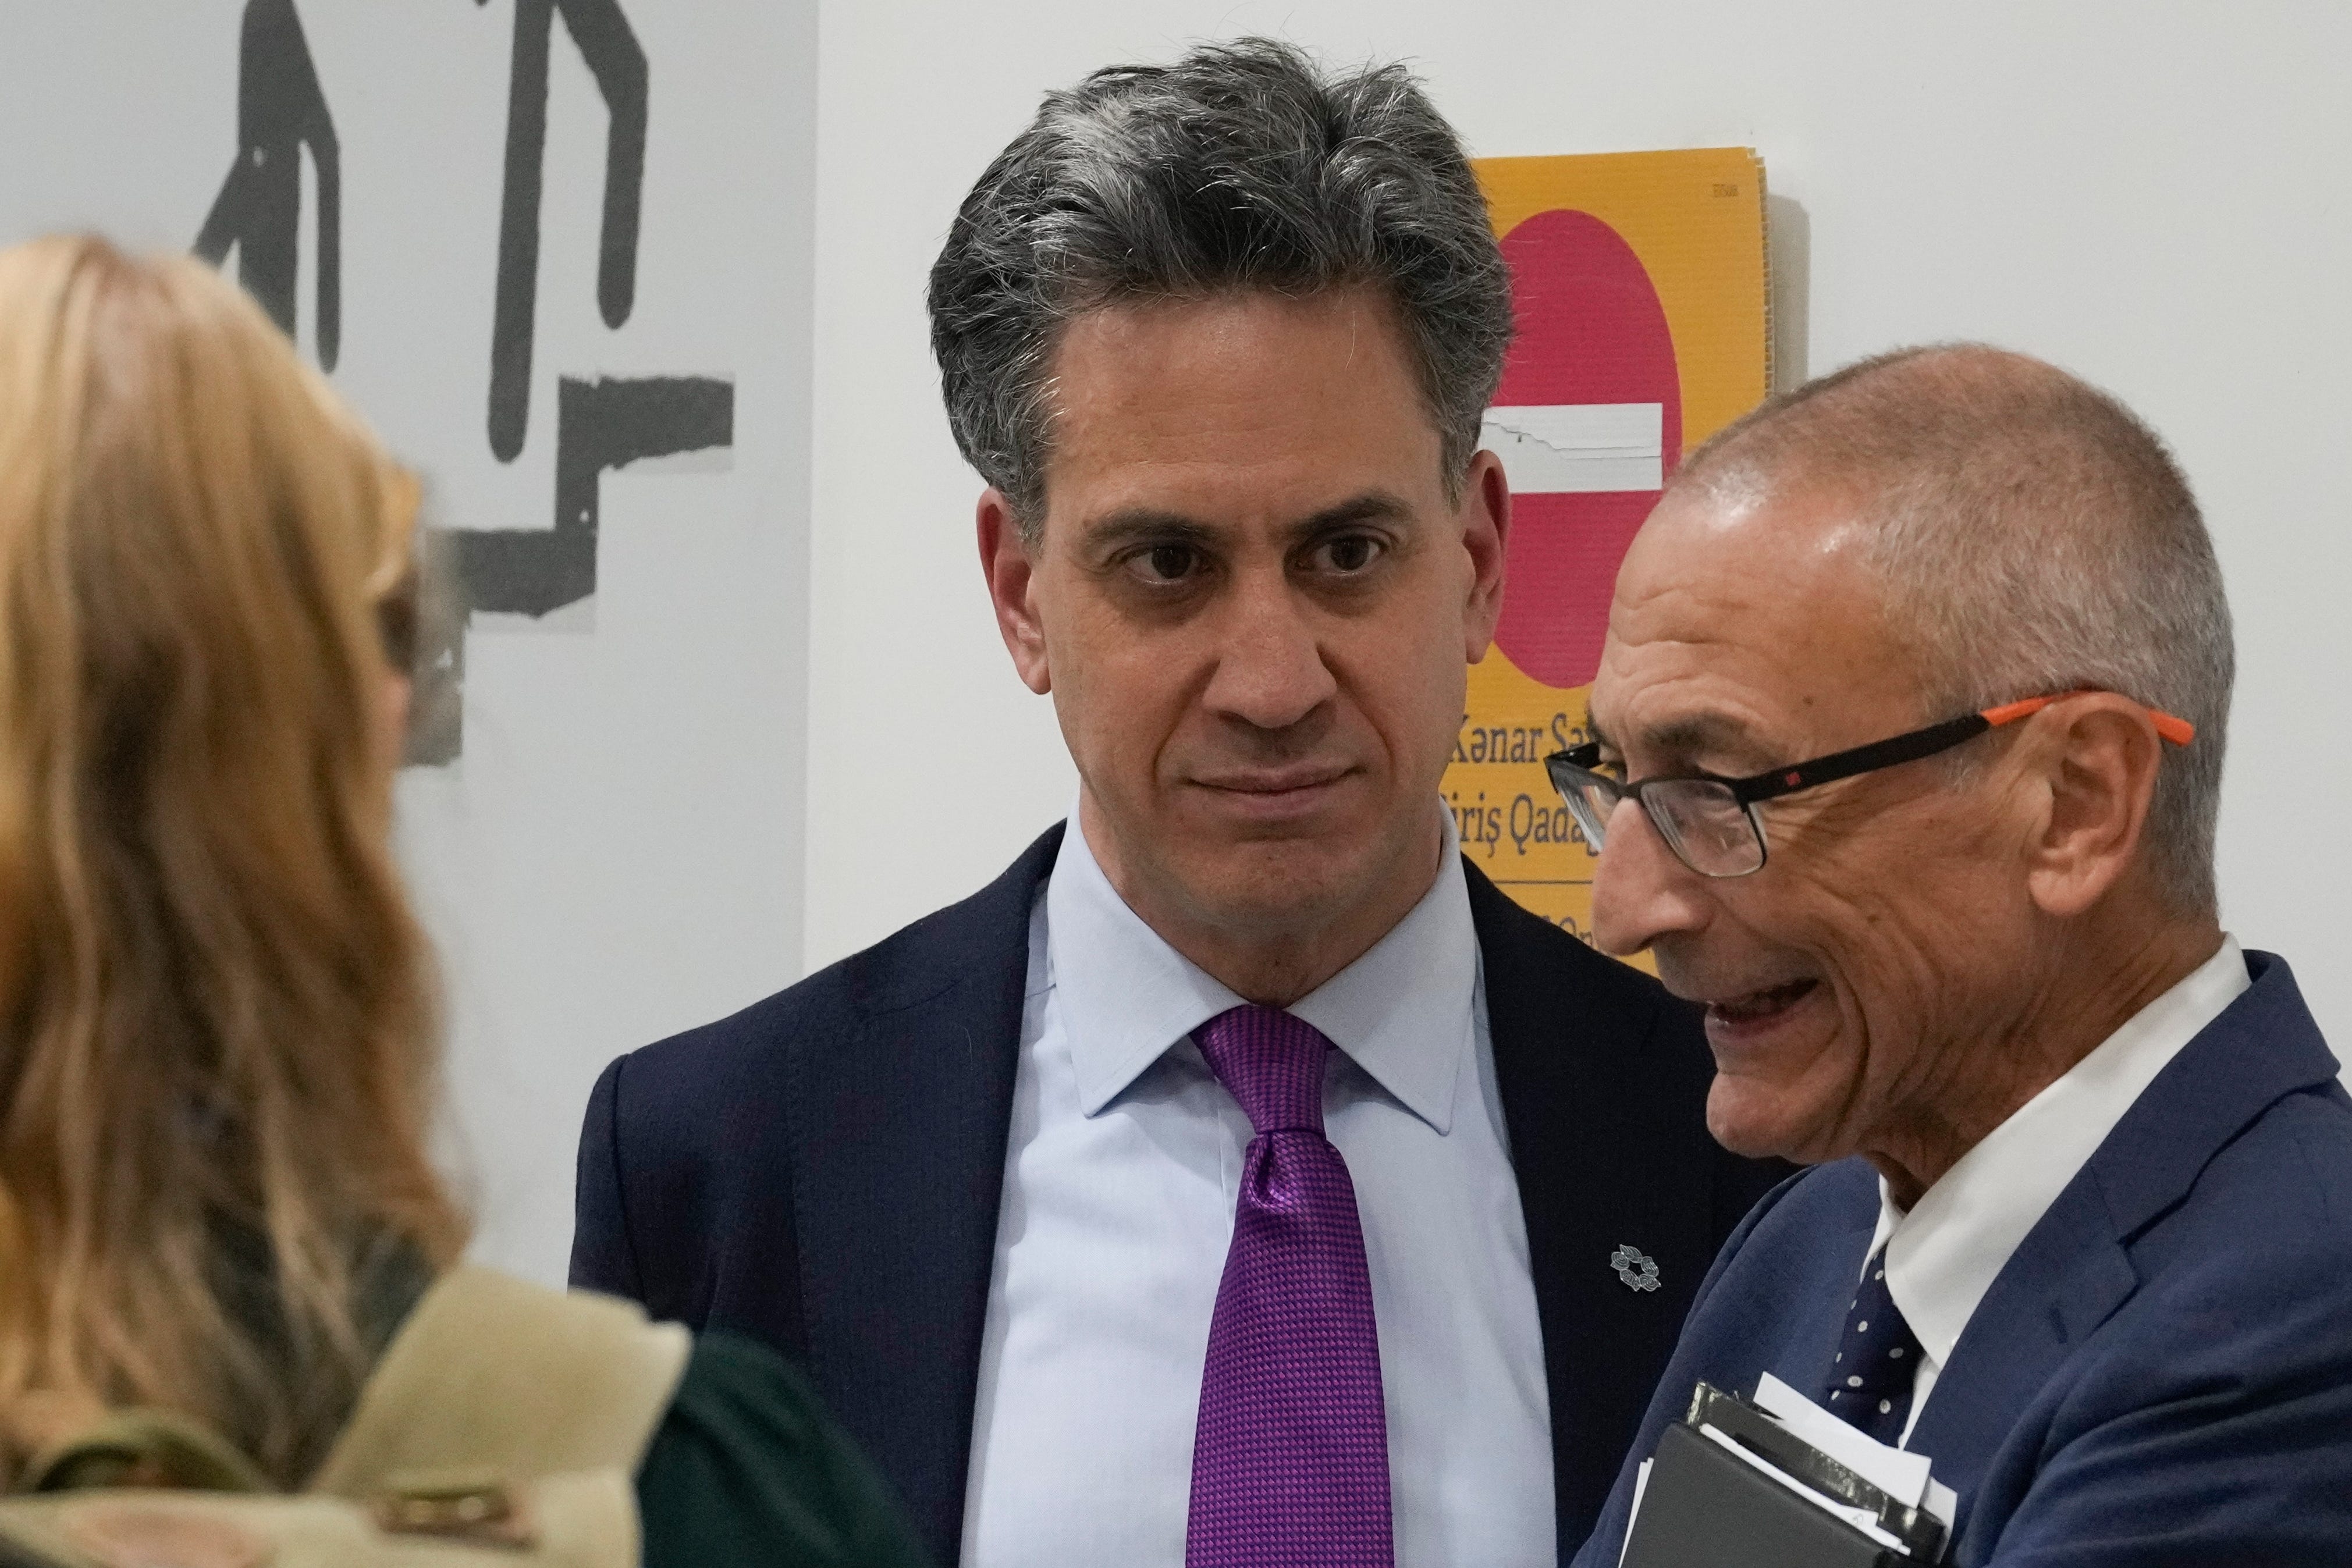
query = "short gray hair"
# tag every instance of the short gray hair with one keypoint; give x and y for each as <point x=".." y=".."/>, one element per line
<point x="2034" y="536"/>
<point x="1244" y="165"/>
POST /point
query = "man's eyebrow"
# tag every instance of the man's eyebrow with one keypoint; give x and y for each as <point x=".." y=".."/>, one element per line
<point x="1138" y="525"/>
<point x="1686" y="735"/>
<point x="1154" y="525"/>
<point x="1371" y="507"/>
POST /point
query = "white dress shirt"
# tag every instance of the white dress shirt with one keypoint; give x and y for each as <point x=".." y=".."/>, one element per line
<point x="1121" y="1181"/>
<point x="1944" y="1254"/>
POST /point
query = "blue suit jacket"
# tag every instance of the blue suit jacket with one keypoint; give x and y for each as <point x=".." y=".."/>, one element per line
<point x="2161" y="1373"/>
<point x="823" y="1171"/>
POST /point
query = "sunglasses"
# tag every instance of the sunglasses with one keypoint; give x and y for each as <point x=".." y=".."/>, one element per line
<point x="1710" y="822"/>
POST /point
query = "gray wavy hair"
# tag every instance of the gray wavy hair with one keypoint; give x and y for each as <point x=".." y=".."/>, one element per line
<point x="2034" y="535"/>
<point x="1243" y="165"/>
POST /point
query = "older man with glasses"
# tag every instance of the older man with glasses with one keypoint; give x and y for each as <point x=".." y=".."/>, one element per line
<point x="2079" y="1228"/>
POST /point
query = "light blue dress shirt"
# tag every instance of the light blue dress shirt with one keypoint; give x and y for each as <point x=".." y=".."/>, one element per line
<point x="1120" y="1179"/>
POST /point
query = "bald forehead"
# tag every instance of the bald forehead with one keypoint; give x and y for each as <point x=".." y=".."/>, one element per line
<point x="1789" y="518"/>
<point x="1990" y="525"/>
<point x="1739" y="627"/>
<point x="1960" y="420"/>
<point x="1780" y="553"/>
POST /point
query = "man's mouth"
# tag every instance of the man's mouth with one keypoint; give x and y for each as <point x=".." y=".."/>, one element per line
<point x="1752" y="1008"/>
<point x="1274" y="781"/>
<point x="1282" y="799"/>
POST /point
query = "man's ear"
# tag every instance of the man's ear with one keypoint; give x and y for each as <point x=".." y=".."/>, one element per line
<point x="1012" y="582"/>
<point x="1486" y="536"/>
<point x="2097" y="756"/>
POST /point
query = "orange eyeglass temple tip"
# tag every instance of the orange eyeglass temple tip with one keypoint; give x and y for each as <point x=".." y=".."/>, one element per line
<point x="2179" y="731"/>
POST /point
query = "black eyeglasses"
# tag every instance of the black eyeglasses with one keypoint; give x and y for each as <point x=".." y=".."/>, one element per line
<point x="1710" y="822"/>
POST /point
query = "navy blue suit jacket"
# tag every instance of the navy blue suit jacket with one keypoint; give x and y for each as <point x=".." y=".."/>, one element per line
<point x="823" y="1171"/>
<point x="2161" y="1373"/>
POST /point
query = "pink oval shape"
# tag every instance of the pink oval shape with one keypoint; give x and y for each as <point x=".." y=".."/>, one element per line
<point x="1591" y="331"/>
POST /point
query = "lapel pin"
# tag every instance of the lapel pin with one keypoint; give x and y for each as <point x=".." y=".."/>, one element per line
<point x="1639" y="1271"/>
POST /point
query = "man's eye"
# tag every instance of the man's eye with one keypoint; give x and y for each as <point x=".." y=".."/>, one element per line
<point x="1167" y="563"/>
<point x="1347" y="555"/>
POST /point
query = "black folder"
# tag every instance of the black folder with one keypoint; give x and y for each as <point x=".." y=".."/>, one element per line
<point x="1706" y="1506"/>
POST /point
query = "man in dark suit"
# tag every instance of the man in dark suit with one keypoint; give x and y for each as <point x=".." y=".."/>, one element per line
<point x="1240" y="1179"/>
<point x="2081" y="1225"/>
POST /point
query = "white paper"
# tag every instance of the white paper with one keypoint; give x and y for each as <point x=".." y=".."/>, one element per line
<point x="1862" y="1519"/>
<point x="1641" y="1485"/>
<point x="1901" y="1475"/>
<point x="1578" y="448"/>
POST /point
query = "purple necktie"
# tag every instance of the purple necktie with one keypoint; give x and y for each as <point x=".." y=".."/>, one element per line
<point x="1290" y="1466"/>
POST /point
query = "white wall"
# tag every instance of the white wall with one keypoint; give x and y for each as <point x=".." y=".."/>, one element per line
<point x="2149" y="193"/>
<point x="617" y="854"/>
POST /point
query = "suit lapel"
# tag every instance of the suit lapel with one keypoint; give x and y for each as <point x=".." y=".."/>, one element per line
<point x="900" y="1131"/>
<point x="2066" y="1278"/>
<point x="2073" y="1271"/>
<point x="1610" y="1152"/>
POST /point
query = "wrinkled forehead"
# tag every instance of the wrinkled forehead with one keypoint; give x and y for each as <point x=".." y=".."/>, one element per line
<point x="1245" y="405"/>
<point x="1746" y="630"/>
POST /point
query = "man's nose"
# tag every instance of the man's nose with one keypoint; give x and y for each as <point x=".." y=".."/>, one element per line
<point x="1270" y="669"/>
<point x="1640" y="891"/>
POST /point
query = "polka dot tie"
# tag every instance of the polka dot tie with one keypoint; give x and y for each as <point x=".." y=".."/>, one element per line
<point x="1290" y="1463"/>
<point x="1877" y="1360"/>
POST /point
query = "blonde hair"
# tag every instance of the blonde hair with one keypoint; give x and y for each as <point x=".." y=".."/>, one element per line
<point x="217" y="1024"/>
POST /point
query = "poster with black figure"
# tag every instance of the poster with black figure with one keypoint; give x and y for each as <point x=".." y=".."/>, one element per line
<point x="280" y="112"/>
<point x="559" y="254"/>
<point x="601" y="424"/>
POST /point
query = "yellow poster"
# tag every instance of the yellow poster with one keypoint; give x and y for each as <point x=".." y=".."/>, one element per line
<point x="1639" y="280"/>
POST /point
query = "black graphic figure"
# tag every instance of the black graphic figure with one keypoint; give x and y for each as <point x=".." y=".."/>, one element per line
<point x="280" y="110"/>
<point x="618" y="64"/>
<point x="599" y="426"/>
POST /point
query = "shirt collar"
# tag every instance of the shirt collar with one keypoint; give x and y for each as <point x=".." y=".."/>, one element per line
<point x="1402" y="1011"/>
<point x="1944" y="1255"/>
